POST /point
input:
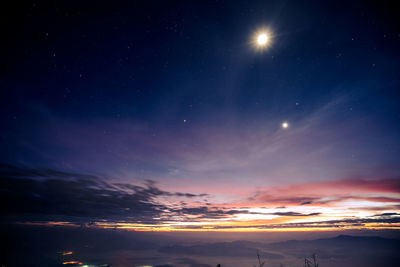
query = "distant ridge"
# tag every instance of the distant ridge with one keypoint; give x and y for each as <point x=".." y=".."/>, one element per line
<point x="298" y="248"/>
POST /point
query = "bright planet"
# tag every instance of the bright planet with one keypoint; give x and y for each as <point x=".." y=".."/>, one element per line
<point x="285" y="125"/>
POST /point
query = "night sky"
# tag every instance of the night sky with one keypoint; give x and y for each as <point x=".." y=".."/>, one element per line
<point x="164" y="115"/>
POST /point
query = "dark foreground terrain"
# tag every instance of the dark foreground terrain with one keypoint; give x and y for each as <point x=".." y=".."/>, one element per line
<point x="44" y="246"/>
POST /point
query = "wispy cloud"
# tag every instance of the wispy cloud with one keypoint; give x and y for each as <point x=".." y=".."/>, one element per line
<point x="46" y="195"/>
<point x="376" y="190"/>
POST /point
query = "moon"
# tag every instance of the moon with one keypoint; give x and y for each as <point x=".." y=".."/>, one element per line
<point x="262" y="39"/>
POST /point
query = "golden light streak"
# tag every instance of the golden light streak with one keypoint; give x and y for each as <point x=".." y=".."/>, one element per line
<point x="248" y="226"/>
<point x="72" y="262"/>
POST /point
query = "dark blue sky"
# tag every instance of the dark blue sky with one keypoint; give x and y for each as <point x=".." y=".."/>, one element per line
<point x="162" y="61"/>
<point x="158" y="64"/>
<point x="175" y="92"/>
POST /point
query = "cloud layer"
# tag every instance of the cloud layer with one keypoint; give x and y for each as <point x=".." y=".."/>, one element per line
<point x="55" y="197"/>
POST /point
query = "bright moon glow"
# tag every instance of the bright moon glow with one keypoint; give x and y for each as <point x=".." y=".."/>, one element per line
<point x="262" y="39"/>
<point x="285" y="125"/>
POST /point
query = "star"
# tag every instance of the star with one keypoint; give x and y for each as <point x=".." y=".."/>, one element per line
<point x="285" y="125"/>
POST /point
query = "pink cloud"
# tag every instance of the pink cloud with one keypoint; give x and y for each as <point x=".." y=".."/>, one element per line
<point x="382" y="190"/>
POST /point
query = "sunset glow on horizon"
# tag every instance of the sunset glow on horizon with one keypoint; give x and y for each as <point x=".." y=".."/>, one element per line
<point x="325" y="206"/>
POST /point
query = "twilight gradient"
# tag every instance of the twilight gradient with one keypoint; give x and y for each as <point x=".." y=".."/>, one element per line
<point x="167" y="118"/>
